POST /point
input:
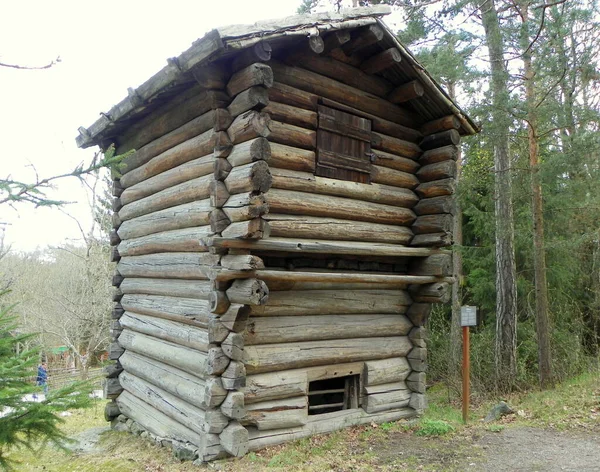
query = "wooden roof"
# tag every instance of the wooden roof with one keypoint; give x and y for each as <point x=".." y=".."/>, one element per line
<point x="178" y="74"/>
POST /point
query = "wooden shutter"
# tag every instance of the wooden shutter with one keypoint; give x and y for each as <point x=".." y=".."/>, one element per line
<point x="343" y="146"/>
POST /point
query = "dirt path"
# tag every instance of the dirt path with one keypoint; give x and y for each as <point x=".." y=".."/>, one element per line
<point x="516" y="449"/>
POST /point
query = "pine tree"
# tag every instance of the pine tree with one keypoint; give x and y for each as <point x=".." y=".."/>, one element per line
<point x="25" y="423"/>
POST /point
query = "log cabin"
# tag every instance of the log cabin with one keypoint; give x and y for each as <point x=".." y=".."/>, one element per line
<point x="280" y="233"/>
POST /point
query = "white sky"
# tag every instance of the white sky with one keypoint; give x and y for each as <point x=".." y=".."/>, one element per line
<point x="105" y="47"/>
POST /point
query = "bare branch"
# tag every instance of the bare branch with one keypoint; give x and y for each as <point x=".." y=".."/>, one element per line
<point x="17" y="66"/>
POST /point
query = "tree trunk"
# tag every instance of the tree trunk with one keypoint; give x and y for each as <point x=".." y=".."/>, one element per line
<point x="539" y="256"/>
<point x="505" y="353"/>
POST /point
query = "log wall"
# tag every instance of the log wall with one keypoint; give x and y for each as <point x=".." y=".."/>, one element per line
<point x="242" y="277"/>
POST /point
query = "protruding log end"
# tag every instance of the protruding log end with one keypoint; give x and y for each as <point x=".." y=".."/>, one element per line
<point x="406" y="92"/>
<point x="218" y="302"/>
<point x="382" y="61"/>
<point x="316" y="44"/>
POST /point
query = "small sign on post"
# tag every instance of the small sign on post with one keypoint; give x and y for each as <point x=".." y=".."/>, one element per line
<point x="468" y="317"/>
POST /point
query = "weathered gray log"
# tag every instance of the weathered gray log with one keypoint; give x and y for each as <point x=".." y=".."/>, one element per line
<point x="245" y="206"/>
<point x="218" y="302"/>
<point x="249" y="125"/>
<point x="234" y="439"/>
<point x="384" y="371"/>
<point x="325" y="302"/>
<point x="277" y="414"/>
<point x="178" y="217"/>
<point x="248" y="292"/>
<point x="362" y="38"/>
<point x="308" y="204"/>
<point x="116" y="220"/>
<point x="430" y="293"/>
<point x="393" y="161"/>
<point x="437" y="171"/>
<point x="117" y="279"/>
<point x="441" y="124"/>
<point x="324" y="424"/>
<point x="291" y="135"/>
<point x="316" y="44"/>
<point x="257" y="149"/>
<point x="418" y="401"/>
<point x="116" y="204"/>
<point x="435" y="205"/>
<point x="418" y="336"/>
<point x="235" y="318"/>
<point x="210" y="77"/>
<point x="432" y="240"/>
<point x="443" y="138"/>
<point x="441" y="223"/>
<point x="222" y="119"/>
<point x="113" y="370"/>
<point x="172" y="289"/>
<point x="182" y="334"/>
<point x="439" y="155"/>
<point x="177" y="240"/>
<point x="286" y="179"/>
<point x="386" y="281"/>
<point x="416" y="381"/>
<point x="247" y="230"/>
<point x="436" y="188"/>
<point x="116" y="188"/>
<point x="233" y="405"/>
<point x="112" y="388"/>
<point x="283" y="93"/>
<point x="111" y="411"/>
<point x="115" y="351"/>
<point x="186" y="192"/>
<point x="222" y="144"/>
<point x="418" y="313"/>
<point x="394" y="178"/>
<point x="296" y="226"/>
<point x="401" y="147"/>
<point x="292" y="115"/>
<point x="176" y="265"/>
<point x="406" y="92"/>
<point x="382" y="61"/>
<point x="391" y="397"/>
<point x="117" y="311"/>
<point x="221" y="168"/>
<point x="194" y="418"/>
<point x="291" y="329"/>
<point x="275" y="385"/>
<point x="218" y="193"/>
<point x="253" y="177"/>
<point x="218" y="221"/>
<point x="259" y="52"/>
<point x="114" y="254"/>
<point x="254" y="98"/>
<point x="269" y="357"/>
<point x="242" y="262"/>
<point x="254" y="74"/>
<point x="439" y="265"/>
<point x="234" y="376"/>
<point x="208" y="393"/>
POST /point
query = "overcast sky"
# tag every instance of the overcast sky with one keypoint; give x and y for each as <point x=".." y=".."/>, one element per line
<point x="104" y="47"/>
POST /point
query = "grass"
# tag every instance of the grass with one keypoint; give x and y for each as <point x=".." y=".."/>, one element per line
<point x="393" y="446"/>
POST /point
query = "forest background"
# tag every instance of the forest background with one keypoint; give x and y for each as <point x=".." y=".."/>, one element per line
<point x="527" y="250"/>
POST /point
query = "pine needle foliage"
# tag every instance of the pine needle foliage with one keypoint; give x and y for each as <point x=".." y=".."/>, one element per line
<point x="25" y="423"/>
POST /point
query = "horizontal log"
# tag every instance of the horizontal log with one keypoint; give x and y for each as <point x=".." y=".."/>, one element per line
<point x="436" y="188"/>
<point x="276" y="385"/>
<point x="259" y="52"/>
<point x="382" y="61"/>
<point x="393" y="161"/>
<point x="291" y="135"/>
<point x="380" y="372"/>
<point x="393" y="177"/>
<point x="442" y="223"/>
<point x="323" y="86"/>
<point x="292" y="115"/>
<point x="406" y="92"/>
<point x="306" y="182"/>
<point x="245" y="206"/>
<point x="393" y="145"/>
<point x="320" y="424"/>
<point x="177" y="175"/>
<point x="295" y="226"/>
<point x="242" y="262"/>
<point x="439" y="265"/>
<point x="432" y="240"/>
<point x="416" y="381"/>
<point x="257" y="149"/>
<point x="254" y="98"/>
<point x="254" y="74"/>
<point x="155" y="421"/>
<point x="439" y="155"/>
<point x="362" y="38"/>
<point x="186" y="192"/>
<point x="277" y="414"/>
<point x="435" y="205"/>
<point x="178" y="333"/>
<point x="441" y="124"/>
<point x="290" y="329"/>
<point x="248" y="292"/>
<point x="198" y="420"/>
<point x="175" y="291"/>
<point x="177" y="240"/>
<point x="443" y="138"/>
<point x="309" y="204"/>
<point x="234" y="439"/>
<point x="177" y="265"/>
<point x="392" y="397"/>
<point x="256" y="228"/>
<point x="283" y="93"/>
<point x="431" y="293"/>
<point x="437" y="171"/>
<point x="272" y="357"/>
<point x="194" y="148"/>
<point x="419" y="313"/>
<point x="189" y="360"/>
<point x="323" y="247"/>
<point x="177" y="217"/>
<point x="285" y="285"/>
<point x="249" y="125"/>
<point x="253" y="177"/>
<point x="325" y="302"/>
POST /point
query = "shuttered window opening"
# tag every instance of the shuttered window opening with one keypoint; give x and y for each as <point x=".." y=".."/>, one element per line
<point x="343" y="146"/>
<point x="340" y="393"/>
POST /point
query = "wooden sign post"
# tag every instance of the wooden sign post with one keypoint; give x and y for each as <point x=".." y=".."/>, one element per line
<point x="468" y="317"/>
